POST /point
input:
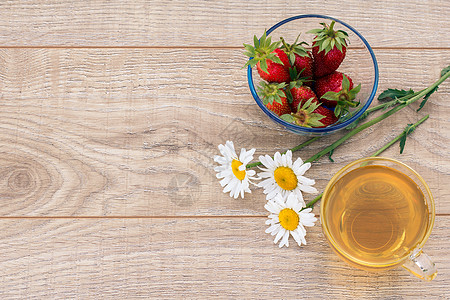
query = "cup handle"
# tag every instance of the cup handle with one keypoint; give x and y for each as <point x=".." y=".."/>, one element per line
<point x="420" y="264"/>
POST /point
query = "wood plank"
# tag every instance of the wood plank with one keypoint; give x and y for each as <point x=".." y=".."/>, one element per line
<point x="210" y="24"/>
<point x="109" y="132"/>
<point x="196" y="258"/>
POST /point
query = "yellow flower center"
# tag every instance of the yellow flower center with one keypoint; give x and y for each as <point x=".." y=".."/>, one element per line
<point x="288" y="219"/>
<point x="285" y="178"/>
<point x="235" y="164"/>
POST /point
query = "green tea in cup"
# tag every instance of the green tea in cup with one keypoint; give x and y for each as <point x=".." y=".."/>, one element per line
<point x="376" y="214"/>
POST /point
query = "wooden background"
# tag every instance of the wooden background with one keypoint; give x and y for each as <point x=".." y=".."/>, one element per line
<point x="111" y="113"/>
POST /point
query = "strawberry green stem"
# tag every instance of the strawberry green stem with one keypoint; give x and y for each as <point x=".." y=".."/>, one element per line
<point x="331" y="30"/>
<point x="312" y="202"/>
<point x="378" y="119"/>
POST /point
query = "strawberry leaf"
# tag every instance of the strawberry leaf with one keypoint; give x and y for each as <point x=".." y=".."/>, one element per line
<point x="337" y="111"/>
<point x="274" y="58"/>
<point x="345" y="82"/>
<point x="391" y="94"/>
<point x="263" y="66"/>
<point x="332" y="96"/>
<point x="314" y="120"/>
<point x="293" y="74"/>
<point x="292" y="58"/>
<point x="287" y="118"/>
<point x="353" y="92"/>
<point x="289" y="95"/>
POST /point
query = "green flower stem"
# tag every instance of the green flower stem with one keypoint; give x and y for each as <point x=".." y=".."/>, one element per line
<point x="377" y="119"/>
<point x="392" y="102"/>
<point x="312" y="202"/>
<point x="400" y="135"/>
<point x="296" y="148"/>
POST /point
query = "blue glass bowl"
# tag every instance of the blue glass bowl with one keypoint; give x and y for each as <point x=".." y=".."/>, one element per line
<point x="360" y="64"/>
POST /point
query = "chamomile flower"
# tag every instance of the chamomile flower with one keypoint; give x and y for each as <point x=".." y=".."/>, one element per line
<point x="232" y="170"/>
<point x="283" y="177"/>
<point x="288" y="218"/>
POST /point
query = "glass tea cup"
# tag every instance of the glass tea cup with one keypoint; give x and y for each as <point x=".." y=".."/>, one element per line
<point x="377" y="213"/>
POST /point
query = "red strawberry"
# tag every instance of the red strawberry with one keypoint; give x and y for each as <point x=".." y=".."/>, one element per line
<point x="304" y="64"/>
<point x="299" y="57"/>
<point x="331" y="82"/>
<point x="269" y="60"/>
<point x="300" y="95"/>
<point x="329" y="49"/>
<point x="283" y="57"/>
<point x="275" y="72"/>
<point x="329" y="116"/>
<point x="306" y="115"/>
<point x="274" y="97"/>
<point x="336" y="90"/>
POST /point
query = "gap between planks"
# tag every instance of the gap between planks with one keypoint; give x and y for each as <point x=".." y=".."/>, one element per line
<point x="196" y="47"/>
<point x="150" y="217"/>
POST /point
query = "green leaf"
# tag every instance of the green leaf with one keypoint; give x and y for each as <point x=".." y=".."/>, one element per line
<point x="337" y="111"/>
<point x="445" y="71"/>
<point x="315" y="119"/>
<point x="293" y="75"/>
<point x="263" y="66"/>
<point x="345" y="82"/>
<point x="332" y="96"/>
<point x="287" y="118"/>
<point x="292" y="58"/>
<point x="330" y="154"/>
<point x="289" y="96"/>
<point x="425" y="98"/>
<point x="314" y="31"/>
<point x="391" y="94"/>
<point x="409" y="129"/>
<point x="339" y="45"/>
<point x="402" y="142"/>
<point x="333" y="41"/>
<point x="353" y="92"/>
<point x="275" y="59"/>
<point x="357" y="121"/>
<point x="324" y="44"/>
<point x="256" y="41"/>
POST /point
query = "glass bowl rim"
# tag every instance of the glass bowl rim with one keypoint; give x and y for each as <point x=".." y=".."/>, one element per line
<point x="296" y="128"/>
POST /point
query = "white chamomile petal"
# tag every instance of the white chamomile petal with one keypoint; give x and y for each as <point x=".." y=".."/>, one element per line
<point x="282" y="176"/>
<point x="232" y="170"/>
<point x="251" y="173"/>
<point x="286" y="218"/>
<point x="308" y="189"/>
<point x="303" y="168"/>
<point x="285" y="239"/>
<point x="280" y="234"/>
<point x="305" y="180"/>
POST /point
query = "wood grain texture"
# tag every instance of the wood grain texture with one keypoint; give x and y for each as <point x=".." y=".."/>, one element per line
<point x="131" y="132"/>
<point x="210" y="23"/>
<point x="111" y="113"/>
<point x="196" y="258"/>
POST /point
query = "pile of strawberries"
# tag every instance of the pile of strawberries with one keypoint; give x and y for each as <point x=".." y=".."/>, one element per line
<point x="302" y="86"/>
